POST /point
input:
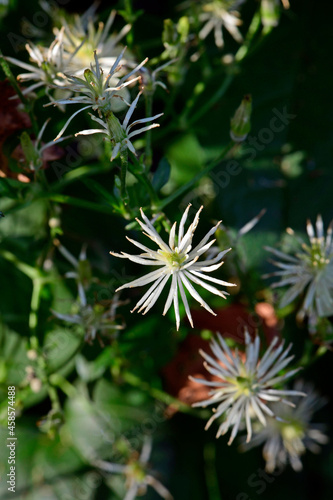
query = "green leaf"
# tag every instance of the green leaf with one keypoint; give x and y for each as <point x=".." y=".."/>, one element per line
<point x="162" y="174"/>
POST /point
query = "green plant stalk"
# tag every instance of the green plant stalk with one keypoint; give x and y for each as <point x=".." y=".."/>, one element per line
<point x="240" y="55"/>
<point x="129" y="12"/>
<point x="251" y="33"/>
<point x="148" y="147"/>
<point x="143" y="178"/>
<point x="195" y="179"/>
<point x="158" y="394"/>
<point x="210" y="471"/>
<point x="123" y="172"/>
<point x="37" y="285"/>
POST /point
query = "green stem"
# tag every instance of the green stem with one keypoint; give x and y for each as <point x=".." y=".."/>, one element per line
<point x="129" y="13"/>
<point x="210" y="470"/>
<point x="213" y="100"/>
<point x="143" y="178"/>
<point x="148" y="148"/>
<point x="162" y="396"/>
<point x="195" y="179"/>
<point x="37" y="286"/>
<point x="251" y="32"/>
<point x="124" y="166"/>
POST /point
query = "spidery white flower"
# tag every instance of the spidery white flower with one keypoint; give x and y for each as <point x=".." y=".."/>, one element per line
<point x="120" y="134"/>
<point x="94" y="90"/>
<point x="94" y="319"/>
<point x="221" y="13"/>
<point x="180" y="262"/>
<point x="285" y="441"/>
<point x="82" y="37"/>
<point x="138" y="475"/>
<point x="310" y="271"/>
<point x="49" y="64"/>
<point x="243" y="387"/>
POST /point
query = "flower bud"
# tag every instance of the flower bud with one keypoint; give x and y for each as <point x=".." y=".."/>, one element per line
<point x="31" y="155"/>
<point x="240" y="124"/>
<point x="270" y="13"/>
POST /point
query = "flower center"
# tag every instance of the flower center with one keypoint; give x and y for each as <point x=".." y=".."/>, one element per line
<point x="316" y="255"/>
<point x="244" y="386"/>
<point x="174" y="259"/>
<point x="292" y="431"/>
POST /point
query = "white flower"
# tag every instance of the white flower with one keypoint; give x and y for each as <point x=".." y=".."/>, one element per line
<point x="82" y="37"/>
<point x="50" y="65"/>
<point x="179" y="261"/>
<point x="243" y="388"/>
<point x="286" y="440"/>
<point x="221" y="13"/>
<point x="95" y="91"/>
<point x="311" y="269"/>
<point x="94" y="319"/>
<point x="137" y="474"/>
<point x="120" y="134"/>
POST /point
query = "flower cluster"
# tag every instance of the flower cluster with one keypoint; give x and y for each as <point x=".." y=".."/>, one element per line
<point x="103" y="87"/>
<point x="245" y="385"/>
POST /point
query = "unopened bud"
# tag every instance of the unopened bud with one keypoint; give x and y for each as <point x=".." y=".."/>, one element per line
<point x="270" y="13"/>
<point x="31" y="155"/>
<point x="240" y="124"/>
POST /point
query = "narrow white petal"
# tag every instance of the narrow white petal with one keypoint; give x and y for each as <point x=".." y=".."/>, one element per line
<point x="182" y="223"/>
<point x="148" y="278"/>
<point x="184" y="299"/>
<point x="195" y="294"/>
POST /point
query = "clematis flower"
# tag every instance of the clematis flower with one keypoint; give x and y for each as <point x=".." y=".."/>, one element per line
<point x="219" y="14"/>
<point x="138" y="474"/>
<point x="94" y="90"/>
<point x="309" y="272"/>
<point x="285" y="441"/>
<point x="48" y="65"/>
<point x="180" y="262"/>
<point x="245" y="384"/>
<point x="119" y="134"/>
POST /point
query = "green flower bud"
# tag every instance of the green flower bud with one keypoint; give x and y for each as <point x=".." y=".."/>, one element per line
<point x="270" y="13"/>
<point x="31" y="155"/>
<point x="240" y="124"/>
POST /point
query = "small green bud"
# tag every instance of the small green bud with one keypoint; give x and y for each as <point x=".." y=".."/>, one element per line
<point x="89" y="76"/>
<point x="31" y="155"/>
<point x="270" y="13"/>
<point x="240" y="124"/>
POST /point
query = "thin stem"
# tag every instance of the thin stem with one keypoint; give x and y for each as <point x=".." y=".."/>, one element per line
<point x="148" y="148"/>
<point x="37" y="286"/>
<point x="251" y="32"/>
<point x="210" y="470"/>
<point x="129" y="13"/>
<point x="162" y="396"/>
<point x="124" y="166"/>
<point x="143" y="178"/>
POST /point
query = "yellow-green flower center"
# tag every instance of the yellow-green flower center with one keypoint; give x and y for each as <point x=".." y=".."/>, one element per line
<point x="316" y="257"/>
<point x="174" y="259"/>
<point x="291" y="431"/>
<point x="245" y="386"/>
